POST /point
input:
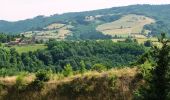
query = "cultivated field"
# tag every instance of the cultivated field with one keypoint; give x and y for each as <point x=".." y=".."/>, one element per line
<point x="127" y="25"/>
<point x="53" y="31"/>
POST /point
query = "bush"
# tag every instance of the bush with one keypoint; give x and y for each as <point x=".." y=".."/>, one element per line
<point x="112" y="81"/>
<point x="8" y="72"/>
<point x="99" y="67"/>
<point x="36" y="85"/>
<point x="82" y="67"/>
<point x="148" y="43"/>
<point x="20" y="81"/>
<point x="43" y="75"/>
<point x="68" y="71"/>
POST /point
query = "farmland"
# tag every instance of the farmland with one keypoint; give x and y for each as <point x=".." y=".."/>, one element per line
<point x="127" y="25"/>
<point x="53" y="31"/>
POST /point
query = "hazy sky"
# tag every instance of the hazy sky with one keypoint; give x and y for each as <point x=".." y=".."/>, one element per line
<point x="13" y="10"/>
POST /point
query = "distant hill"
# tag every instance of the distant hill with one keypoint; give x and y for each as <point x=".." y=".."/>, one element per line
<point x="85" y="23"/>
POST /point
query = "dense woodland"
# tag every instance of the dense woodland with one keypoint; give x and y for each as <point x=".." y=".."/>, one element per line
<point x="60" y="53"/>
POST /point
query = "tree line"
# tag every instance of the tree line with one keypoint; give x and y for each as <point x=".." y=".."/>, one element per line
<point x="60" y="53"/>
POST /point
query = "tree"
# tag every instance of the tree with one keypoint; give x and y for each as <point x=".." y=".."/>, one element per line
<point x="68" y="71"/>
<point x="82" y="67"/>
<point x="43" y="75"/>
<point x="157" y="85"/>
<point x="129" y="40"/>
<point x="160" y="81"/>
<point x="99" y="67"/>
<point x="148" y="43"/>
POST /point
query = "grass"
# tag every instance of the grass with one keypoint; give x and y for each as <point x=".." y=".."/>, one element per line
<point x="126" y="25"/>
<point x="54" y="31"/>
<point x="56" y="78"/>
<point x="114" y="84"/>
<point x="27" y="48"/>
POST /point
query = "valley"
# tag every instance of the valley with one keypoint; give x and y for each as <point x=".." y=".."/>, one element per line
<point x="119" y="53"/>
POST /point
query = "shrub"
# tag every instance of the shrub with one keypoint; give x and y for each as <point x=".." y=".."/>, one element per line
<point x="20" y="81"/>
<point x="99" y="67"/>
<point x="112" y="81"/>
<point x="82" y="67"/>
<point x="68" y="71"/>
<point x="43" y="75"/>
<point x="8" y="72"/>
<point x="36" y="85"/>
<point x="148" y="43"/>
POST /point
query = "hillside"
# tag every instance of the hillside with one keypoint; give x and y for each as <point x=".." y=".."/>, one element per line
<point x="85" y="23"/>
<point x="113" y="84"/>
<point x="126" y="25"/>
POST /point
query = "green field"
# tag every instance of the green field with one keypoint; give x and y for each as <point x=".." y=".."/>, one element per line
<point x="28" y="48"/>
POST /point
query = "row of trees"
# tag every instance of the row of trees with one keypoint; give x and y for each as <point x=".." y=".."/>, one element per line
<point x="4" y="38"/>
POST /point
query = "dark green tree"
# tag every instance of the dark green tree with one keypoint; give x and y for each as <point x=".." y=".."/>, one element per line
<point x="82" y="67"/>
<point x="159" y="83"/>
<point x="148" y="43"/>
<point x="157" y="86"/>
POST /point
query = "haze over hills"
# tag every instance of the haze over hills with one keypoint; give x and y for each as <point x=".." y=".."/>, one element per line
<point x="84" y="24"/>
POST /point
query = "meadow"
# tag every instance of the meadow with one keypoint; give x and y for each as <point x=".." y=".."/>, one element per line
<point x="27" y="48"/>
<point x="127" y="25"/>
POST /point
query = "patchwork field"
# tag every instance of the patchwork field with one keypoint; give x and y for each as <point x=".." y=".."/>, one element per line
<point x="127" y="25"/>
<point x="53" y="31"/>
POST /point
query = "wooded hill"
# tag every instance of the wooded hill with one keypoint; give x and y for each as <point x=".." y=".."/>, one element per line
<point x="85" y="23"/>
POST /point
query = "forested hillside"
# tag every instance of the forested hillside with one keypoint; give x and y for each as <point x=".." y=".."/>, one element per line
<point x="158" y="12"/>
<point x="61" y="53"/>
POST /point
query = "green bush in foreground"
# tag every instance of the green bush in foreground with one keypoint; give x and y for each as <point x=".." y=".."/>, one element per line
<point x="82" y="67"/>
<point x="20" y="81"/>
<point x="99" y="67"/>
<point x="43" y="75"/>
<point x="68" y="71"/>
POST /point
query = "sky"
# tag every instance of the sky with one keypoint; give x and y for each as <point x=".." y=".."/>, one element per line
<point x="13" y="10"/>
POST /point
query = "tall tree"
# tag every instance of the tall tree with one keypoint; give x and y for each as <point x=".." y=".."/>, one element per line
<point x="157" y="85"/>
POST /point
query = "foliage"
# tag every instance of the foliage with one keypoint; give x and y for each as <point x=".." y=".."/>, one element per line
<point x="4" y="38"/>
<point x="20" y="82"/>
<point x="112" y="81"/>
<point x="82" y="67"/>
<point x="68" y="71"/>
<point x="148" y="43"/>
<point x="43" y="75"/>
<point x="78" y="20"/>
<point x="157" y="84"/>
<point x="99" y="67"/>
<point x="60" y="53"/>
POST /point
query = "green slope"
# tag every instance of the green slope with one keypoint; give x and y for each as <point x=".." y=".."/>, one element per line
<point x="158" y="12"/>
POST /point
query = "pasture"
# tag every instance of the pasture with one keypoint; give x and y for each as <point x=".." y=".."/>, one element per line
<point x="27" y="48"/>
<point x="130" y="25"/>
